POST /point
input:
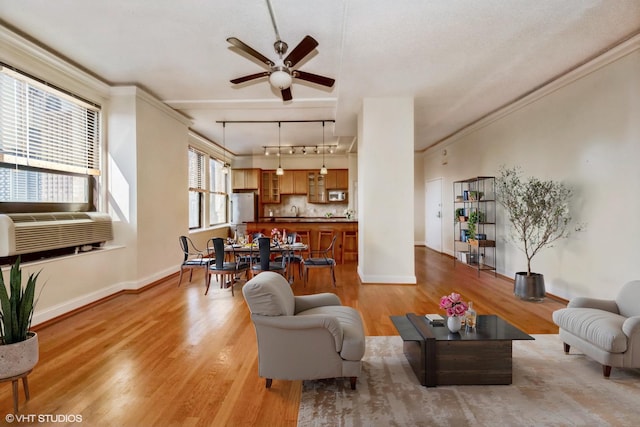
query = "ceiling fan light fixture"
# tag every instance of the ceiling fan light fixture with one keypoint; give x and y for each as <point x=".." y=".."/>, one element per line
<point x="280" y="79"/>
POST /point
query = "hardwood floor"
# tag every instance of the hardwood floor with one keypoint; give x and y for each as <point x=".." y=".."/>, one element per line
<point x="172" y="356"/>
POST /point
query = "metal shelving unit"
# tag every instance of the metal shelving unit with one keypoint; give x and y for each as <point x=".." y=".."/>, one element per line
<point x="475" y="197"/>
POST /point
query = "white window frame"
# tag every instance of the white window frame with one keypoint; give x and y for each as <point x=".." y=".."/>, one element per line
<point x="218" y="190"/>
<point x="197" y="180"/>
<point x="201" y="191"/>
<point x="50" y="146"/>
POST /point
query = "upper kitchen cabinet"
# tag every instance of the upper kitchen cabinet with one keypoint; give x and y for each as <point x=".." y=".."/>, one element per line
<point x="337" y="179"/>
<point x="245" y="179"/>
<point x="293" y="182"/>
<point x="316" y="187"/>
<point x="270" y="192"/>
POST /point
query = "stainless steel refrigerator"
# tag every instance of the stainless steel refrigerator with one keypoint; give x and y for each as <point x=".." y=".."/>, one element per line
<point x="244" y="208"/>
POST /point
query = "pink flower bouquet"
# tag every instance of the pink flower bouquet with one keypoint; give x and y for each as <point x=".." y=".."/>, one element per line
<point x="453" y="305"/>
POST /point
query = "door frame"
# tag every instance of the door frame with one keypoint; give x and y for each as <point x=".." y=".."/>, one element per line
<point x="433" y="203"/>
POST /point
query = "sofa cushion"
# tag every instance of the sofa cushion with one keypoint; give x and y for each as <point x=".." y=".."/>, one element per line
<point x="601" y="328"/>
<point x="269" y="294"/>
<point x="628" y="298"/>
<point x="353" y="341"/>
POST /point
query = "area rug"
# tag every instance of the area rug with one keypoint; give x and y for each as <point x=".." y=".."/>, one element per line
<point x="549" y="389"/>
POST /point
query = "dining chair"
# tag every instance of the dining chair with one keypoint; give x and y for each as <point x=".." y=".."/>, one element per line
<point x="252" y="257"/>
<point x="264" y="262"/>
<point x="224" y="271"/>
<point x="324" y="258"/>
<point x="193" y="258"/>
<point x="291" y="257"/>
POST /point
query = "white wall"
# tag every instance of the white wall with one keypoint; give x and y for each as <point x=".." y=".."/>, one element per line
<point x="419" y="188"/>
<point x="583" y="130"/>
<point x="144" y="188"/>
<point x="385" y="191"/>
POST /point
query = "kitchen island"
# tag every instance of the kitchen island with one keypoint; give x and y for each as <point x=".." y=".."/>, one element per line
<point x="335" y="225"/>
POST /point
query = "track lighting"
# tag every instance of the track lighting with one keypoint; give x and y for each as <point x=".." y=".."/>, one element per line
<point x="323" y="169"/>
<point x="279" y="171"/>
<point x="225" y="165"/>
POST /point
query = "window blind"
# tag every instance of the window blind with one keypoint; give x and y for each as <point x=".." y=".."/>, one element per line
<point x="41" y="127"/>
<point x="196" y="169"/>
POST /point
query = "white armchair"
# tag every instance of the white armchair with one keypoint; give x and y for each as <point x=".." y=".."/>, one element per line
<point x="607" y="331"/>
<point x="303" y="337"/>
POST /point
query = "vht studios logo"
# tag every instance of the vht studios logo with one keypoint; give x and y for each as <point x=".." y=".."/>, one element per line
<point x="43" y="418"/>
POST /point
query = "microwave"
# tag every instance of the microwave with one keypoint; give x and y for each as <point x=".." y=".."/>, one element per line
<point x="337" y="195"/>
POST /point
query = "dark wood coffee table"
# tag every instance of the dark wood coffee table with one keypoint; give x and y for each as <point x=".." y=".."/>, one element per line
<point x="439" y="357"/>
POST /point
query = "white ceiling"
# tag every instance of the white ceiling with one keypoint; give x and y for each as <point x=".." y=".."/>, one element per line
<point x="459" y="59"/>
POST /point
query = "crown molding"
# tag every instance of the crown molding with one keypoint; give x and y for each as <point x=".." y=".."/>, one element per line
<point x="139" y="93"/>
<point x="579" y="71"/>
<point x="28" y="56"/>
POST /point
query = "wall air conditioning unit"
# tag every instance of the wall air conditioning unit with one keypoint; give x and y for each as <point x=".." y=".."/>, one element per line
<point x="37" y="232"/>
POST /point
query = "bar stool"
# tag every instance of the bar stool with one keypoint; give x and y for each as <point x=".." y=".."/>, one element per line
<point x="323" y="233"/>
<point x="349" y="235"/>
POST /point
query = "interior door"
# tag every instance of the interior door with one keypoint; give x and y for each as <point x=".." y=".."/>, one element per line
<point x="433" y="214"/>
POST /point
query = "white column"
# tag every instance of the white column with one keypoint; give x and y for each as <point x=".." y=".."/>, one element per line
<point x="385" y="191"/>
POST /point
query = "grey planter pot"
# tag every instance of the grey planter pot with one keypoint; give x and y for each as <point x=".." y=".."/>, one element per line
<point x="530" y="288"/>
<point x="19" y="357"/>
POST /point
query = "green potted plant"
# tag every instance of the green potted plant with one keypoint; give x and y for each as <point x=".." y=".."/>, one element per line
<point x="538" y="213"/>
<point x="475" y="195"/>
<point x="475" y="217"/>
<point x="18" y="344"/>
<point x="460" y="215"/>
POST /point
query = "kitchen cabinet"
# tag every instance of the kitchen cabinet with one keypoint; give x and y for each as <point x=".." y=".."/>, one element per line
<point x="270" y="192"/>
<point x="474" y="229"/>
<point x="337" y="179"/>
<point x="316" y="187"/>
<point x="294" y="182"/>
<point x="245" y="179"/>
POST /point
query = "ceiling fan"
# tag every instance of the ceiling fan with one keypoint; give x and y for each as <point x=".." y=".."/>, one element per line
<point x="281" y="72"/>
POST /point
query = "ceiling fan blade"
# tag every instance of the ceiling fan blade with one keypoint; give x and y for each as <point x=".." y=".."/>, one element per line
<point x="286" y="94"/>
<point x="303" y="49"/>
<point x="251" y="51"/>
<point x="314" y="78"/>
<point x="250" y="77"/>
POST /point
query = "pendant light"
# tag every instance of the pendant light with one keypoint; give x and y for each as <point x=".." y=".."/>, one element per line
<point x="323" y="169"/>
<point x="279" y="171"/>
<point x="225" y="165"/>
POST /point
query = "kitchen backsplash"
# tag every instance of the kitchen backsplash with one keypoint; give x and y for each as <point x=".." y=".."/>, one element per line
<point x="289" y="203"/>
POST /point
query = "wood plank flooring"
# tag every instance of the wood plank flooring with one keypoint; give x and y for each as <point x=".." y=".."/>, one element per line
<point x="172" y="356"/>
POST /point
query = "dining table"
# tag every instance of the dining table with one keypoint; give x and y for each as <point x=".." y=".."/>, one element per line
<point x="283" y="249"/>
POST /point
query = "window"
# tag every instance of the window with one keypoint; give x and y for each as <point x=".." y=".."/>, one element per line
<point x="213" y="187"/>
<point x="196" y="187"/>
<point x="217" y="192"/>
<point x="49" y="146"/>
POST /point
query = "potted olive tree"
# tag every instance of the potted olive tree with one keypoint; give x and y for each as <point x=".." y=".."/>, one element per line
<point x="538" y="213"/>
<point x="18" y="345"/>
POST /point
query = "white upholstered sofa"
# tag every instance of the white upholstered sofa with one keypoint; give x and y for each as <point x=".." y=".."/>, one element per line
<point x="303" y="337"/>
<point x="608" y="331"/>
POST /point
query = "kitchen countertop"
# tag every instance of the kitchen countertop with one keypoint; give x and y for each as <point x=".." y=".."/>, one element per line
<point x="304" y="219"/>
